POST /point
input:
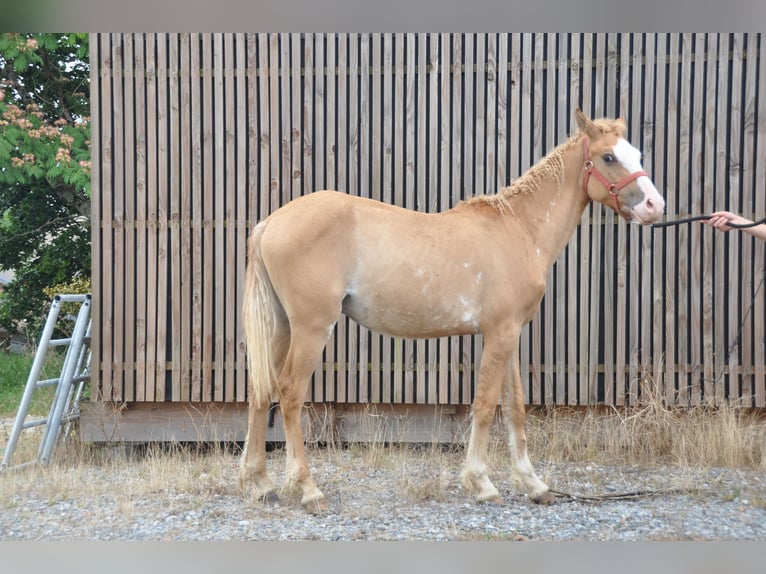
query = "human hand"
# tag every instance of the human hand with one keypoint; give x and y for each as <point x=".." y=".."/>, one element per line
<point x="721" y="220"/>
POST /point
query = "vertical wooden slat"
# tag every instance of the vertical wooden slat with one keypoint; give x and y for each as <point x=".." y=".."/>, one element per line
<point x="552" y="288"/>
<point x="759" y="356"/>
<point x="131" y="197"/>
<point x="650" y="298"/>
<point x="596" y="229"/>
<point x="737" y="244"/>
<point x="99" y="78"/>
<point x="140" y="81"/>
<point x="609" y="262"/>
<point x="355" y="366"/>
<point x="364" y="190"/>
<point x="410" y="178"/>
<point x="197" y="216"/>
<point x="152" y="219"/>
<point x="174" y="220"/>
<point x="209" y="272"/>
<point x="401" y="352"/>
<point x="386" y="160"/>
<point x="118" y="219"/>
<point x="565" y="340"/>
<point x="711" y="202"/>
<point x="344" y="367"/>
<point x="244" y="117"/>
<point x="459" y="363"/>
<point x="218" y="220"/>
<point x="659" y="313"/>
<point x="420" y="203"/>
<point x="443" y="192"/>
<point x="184" y="218"/>
<point x="471" y="347"/>
<point x="574" y="375"/>
<point x="586" y="279"/>
<point x="684" y="264"/>
<point x="672" y="274"/>
<point x="699" y="315"/>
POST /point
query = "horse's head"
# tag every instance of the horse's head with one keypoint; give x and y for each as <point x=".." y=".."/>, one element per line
<point x="612" y="173"/>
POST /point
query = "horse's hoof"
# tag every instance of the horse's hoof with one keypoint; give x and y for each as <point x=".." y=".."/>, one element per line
<point x="546" y="498"/>
<point x="270" y="498"/>
<point x="493" y="500"/>
<point x="316" y="506"/>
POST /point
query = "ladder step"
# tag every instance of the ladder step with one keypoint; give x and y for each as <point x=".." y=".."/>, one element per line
<point x="50" y="382"/>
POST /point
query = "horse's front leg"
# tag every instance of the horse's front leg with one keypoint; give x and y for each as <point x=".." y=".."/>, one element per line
<point x="514" y="416"/>
<point x="497" y="350"/>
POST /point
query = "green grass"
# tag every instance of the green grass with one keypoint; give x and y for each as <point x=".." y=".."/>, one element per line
<point x="14" y="372"/>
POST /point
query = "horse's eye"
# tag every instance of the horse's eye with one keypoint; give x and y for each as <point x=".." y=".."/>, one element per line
<point x="608" y="158"/>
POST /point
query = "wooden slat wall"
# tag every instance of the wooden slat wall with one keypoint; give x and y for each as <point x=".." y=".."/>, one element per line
<point x="196" y="137"/>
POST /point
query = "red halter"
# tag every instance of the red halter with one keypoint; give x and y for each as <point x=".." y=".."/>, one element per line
<point x="590" y="169"/>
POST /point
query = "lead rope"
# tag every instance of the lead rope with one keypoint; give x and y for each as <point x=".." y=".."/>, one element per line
<point x="636" y="494"/>
<point x="705" y="218"/>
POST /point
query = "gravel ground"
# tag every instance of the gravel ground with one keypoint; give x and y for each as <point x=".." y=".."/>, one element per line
<point x="409" y="495"/>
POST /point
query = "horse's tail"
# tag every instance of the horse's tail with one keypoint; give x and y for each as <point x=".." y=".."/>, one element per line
<point x="258" y="309"/>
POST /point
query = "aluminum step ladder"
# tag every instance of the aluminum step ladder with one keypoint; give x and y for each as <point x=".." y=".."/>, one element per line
<point x="75" y="372"/>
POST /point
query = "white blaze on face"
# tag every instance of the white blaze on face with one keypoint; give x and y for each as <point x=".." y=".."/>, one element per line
<point x="653" y="203"/>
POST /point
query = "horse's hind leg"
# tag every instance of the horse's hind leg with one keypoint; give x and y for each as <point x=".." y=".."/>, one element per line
<point x="305" y="350"/>
<point x="252" y="470"/>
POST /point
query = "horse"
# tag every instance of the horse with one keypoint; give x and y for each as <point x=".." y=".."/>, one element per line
<point x="479" y="267"/>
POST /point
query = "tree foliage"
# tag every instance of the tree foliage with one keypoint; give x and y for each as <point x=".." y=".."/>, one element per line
<point x="44" y="168"/>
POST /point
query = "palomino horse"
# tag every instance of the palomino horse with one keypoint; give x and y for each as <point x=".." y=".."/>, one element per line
<point x="479" y="267"/>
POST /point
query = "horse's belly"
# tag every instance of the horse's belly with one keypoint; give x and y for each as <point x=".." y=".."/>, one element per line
<point x="413" y="318"/>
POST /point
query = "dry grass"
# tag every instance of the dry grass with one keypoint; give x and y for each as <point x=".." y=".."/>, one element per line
<point x="647" y="435"/>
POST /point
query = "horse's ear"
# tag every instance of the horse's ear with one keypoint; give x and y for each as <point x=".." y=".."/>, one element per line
<point x="585" y="124"/>
<point x="622" y="122"/>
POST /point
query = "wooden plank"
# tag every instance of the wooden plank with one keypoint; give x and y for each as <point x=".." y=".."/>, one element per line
<point x="363" y="394"/>
<point x="643" y="359"/>
<point x="219" y="220"/>
<point x="459" y="362"/>
<point x="432" y="392"/>
<point x="737" y="244"/>
<point x="152" y="371"/>
<point x="711" y="203"/>
<point x="537" y="391"/>
<point x="553" y="287"/>
<point x="672" y="310"/>
<point x="245" y="55"/>
<point x="759" y="191"/>
<point x="197" y="217"/>
<point x="683" y="315"/>
<point x="209" y="271"/>
<point x="444" y="193"/>
<point x="420" y="203"/>
<point x="99" y="79"/>
<point x="174" y="220"/>
<point x="227" y="422"/>
<point x="355" y="366"/>
<point x="184" y="220"/>
<point x="342" y="160"/>
<point x="574" y="342"/>
<point x="585" y="234"/>
<point x="659" y="312"/>
<point x="131" y="197"/>
<point x="385" y="96"/>
<point x="118" y="220"/>
<point x="598" y="218"/>
<point x="564" y="337"/>
<point x="701" y="321"/>
<point x="753" y="274"/>
<point x="410" y="181"/>
<point x="142" y="263"/>
<point x="401" y="351"/>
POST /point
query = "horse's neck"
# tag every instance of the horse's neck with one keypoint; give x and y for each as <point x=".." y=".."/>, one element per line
<point x="551" y="213"/>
